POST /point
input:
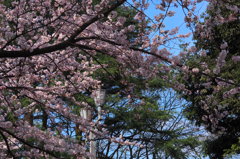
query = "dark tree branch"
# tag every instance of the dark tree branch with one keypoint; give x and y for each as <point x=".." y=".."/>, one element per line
<point x="65" y="44"/>
<point x="7" y="144"/>
<point x="28" y="144"/>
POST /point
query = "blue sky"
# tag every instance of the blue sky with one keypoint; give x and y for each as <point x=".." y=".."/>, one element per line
<point x="176" y="20"/>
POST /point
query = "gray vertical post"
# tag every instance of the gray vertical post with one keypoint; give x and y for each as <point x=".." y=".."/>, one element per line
<point x="99" y="99"/>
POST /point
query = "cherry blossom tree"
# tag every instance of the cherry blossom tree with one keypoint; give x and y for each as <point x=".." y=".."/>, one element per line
<point x="34" y="83"/>
<point x="47" y="60"/>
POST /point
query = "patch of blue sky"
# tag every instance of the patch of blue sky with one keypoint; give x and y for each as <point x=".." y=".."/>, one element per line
<point x="176" y="21"/>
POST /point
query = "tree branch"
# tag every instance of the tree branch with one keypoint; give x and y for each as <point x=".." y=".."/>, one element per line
<point x="65" y="44"/>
